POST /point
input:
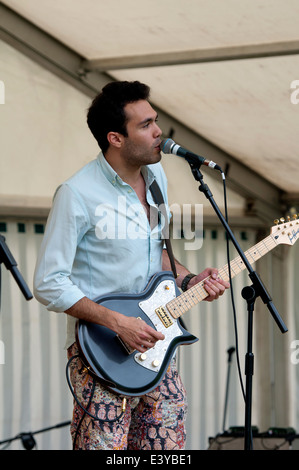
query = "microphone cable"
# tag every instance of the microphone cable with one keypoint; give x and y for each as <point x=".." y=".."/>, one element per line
<point x="231" y="289"/>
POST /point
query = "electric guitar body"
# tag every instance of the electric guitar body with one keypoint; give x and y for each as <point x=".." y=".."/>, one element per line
<point x="126" y="372"/>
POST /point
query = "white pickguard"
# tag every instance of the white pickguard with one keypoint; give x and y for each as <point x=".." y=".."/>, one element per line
<point x="153" y="358"/>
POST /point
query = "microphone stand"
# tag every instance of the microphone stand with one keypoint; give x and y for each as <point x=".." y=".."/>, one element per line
<point x="250" y="294"/>
<point x="230" y="352"/>
<point x="10" y="263"/>
<point x="27" y="438"/>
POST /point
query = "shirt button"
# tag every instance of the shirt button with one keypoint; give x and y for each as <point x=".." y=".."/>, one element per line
<point x="129" y="190"/>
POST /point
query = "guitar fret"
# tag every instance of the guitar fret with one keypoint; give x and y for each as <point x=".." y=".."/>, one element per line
<point x="187" y="300"/>
<point x="197" y="293"/>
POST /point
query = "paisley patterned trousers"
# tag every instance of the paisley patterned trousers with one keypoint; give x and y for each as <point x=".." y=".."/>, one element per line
<point x="155" y="421"/>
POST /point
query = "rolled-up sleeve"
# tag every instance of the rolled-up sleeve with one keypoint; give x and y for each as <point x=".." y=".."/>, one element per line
<point x="66" y="225"/>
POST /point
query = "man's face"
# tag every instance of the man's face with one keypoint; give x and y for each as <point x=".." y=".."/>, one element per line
<point x="142" y="145"/>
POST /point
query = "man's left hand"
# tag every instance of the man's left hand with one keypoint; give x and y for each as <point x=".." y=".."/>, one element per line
<point x="214" y="286"/>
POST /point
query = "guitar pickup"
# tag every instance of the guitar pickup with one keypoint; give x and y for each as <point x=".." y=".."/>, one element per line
<point x="164" y="316"/>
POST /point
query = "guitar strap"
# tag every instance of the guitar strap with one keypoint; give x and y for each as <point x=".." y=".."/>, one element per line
<point x="158" y="198"/>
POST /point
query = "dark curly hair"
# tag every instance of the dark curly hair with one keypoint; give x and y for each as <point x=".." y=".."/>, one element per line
<point x="106" y="112"/>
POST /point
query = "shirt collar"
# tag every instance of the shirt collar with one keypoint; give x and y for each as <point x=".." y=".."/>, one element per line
<point x="107" y="169"/>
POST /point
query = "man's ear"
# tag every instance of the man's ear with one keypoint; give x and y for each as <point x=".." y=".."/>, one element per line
<point x="115" y="139"/>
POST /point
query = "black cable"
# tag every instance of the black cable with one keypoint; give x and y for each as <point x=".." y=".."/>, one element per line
<point x="85" y="410"/>
<point x="232" y="293"/>
<point x="233" y="304"/>
<point x="84" y="414"/>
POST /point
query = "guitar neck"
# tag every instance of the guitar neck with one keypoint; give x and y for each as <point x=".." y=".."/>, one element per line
<point x="197" y="293"/>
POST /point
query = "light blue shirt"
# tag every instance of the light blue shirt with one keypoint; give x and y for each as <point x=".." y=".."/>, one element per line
<point x="97" y="239"/>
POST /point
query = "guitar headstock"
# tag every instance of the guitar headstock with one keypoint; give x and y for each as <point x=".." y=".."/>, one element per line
<point x="286" y="231"/>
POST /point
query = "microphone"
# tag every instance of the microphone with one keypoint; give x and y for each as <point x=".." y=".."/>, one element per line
<point x="169" y="146"/>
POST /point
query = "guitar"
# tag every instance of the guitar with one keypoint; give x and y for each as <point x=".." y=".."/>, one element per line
<point x="131" y="373"/>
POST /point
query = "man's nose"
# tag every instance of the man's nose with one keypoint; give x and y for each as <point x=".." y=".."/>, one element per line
<point x="157" y="130"/>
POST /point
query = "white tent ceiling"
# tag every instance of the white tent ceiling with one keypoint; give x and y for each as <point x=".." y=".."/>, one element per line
<point x="221" y="69"/>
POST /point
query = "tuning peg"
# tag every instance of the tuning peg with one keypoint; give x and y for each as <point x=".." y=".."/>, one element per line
<point x="282" y="220"/>
<point x="295" y="216"/>
<point x="276" y="221"/>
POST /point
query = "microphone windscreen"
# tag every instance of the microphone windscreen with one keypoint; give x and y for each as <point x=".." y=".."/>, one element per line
<point x="166" y="145"/>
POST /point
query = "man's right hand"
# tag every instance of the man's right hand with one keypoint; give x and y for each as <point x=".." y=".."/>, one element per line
<point x="137" y="333"/>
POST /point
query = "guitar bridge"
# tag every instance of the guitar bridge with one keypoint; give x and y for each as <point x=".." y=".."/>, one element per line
<point x="164" y="316"/>
<point x="126" y="347"/>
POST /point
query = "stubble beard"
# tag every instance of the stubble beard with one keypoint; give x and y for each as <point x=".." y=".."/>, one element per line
<point x="140" y="156"/>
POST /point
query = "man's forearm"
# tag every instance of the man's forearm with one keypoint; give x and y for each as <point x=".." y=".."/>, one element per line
<point x="136" y="333"/>
<point x="87" y="310"/>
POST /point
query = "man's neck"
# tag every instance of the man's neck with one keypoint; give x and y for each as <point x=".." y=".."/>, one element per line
<point x="128" y="173"/>
<point x="132" y="176"/>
